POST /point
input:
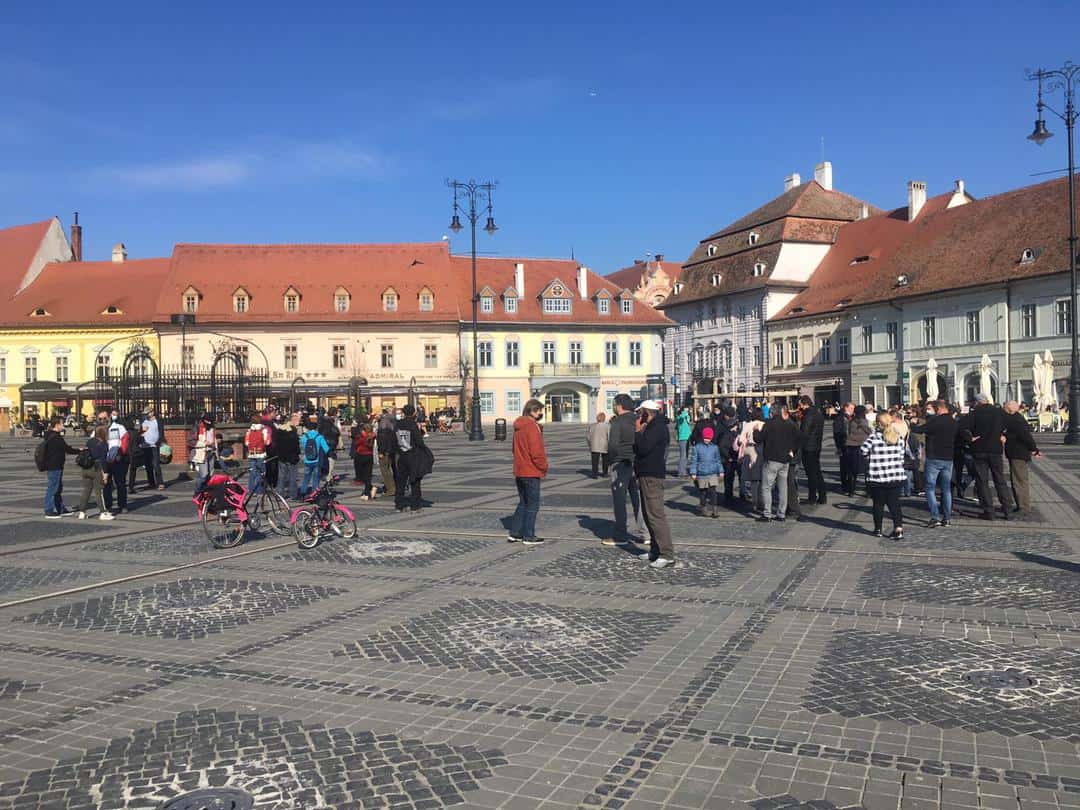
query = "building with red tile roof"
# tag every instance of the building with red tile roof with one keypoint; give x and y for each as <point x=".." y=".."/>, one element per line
<point x="651" y="280"/>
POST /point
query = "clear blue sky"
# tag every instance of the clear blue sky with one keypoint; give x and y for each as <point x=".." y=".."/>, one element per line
<point x="613" y="129"/>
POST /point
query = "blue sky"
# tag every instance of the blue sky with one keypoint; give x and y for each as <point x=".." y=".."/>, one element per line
<point x="613" y="129"/>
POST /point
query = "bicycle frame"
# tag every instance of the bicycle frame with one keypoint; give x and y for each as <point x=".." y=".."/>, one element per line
<point x="311" y="501"/>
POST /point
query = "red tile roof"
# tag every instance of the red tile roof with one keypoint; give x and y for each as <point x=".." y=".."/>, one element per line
<point x="630" y="277"/>
<point x="498" y="274"/>
<point x="78" y="293"/>
<point x="316" y="272"/>
<point x="809" y="201"/>
<point x="18" y="246"/>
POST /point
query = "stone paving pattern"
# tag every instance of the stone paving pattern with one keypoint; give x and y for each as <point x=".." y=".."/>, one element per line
<point x="428" y="663"/>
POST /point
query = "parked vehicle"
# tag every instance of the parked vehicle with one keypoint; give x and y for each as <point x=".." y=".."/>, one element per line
<point x="227" y="510"/>
<point x="322" y="514"/>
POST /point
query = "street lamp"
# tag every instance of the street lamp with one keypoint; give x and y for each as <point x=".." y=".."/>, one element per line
<point x="473" y="200"/>
<point x="1066" y="79"/>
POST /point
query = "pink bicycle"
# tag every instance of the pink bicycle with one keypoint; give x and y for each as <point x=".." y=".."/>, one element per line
<point x="321" y="513"/>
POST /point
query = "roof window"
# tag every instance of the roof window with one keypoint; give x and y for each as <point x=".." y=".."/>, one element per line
<point x="1028" y="256"/>
<point x="112" y="309"/>
<point x="799" y="309"/>
<point x="860" y="259"/>
<point x="902" y="280"/>
<point x="677" y="287"/>
<point x="753" y="238"/>
<point x="843" y="302"/>
<point x="40" y="312"/>
<point x="716" y="277"/>
<point x="712" y="250"/>
<point x="759" y="268"/>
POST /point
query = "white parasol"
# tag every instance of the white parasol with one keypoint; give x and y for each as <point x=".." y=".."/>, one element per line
<point x="1037" y="381"/>
<point x="1049" y="390"/>
<point x="931" y="379"/>
<point x="984" y="377"/>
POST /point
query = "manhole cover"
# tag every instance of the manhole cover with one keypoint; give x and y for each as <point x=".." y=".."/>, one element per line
<point x="211" y="799"/>
<point x="999" y="679"/>
<point x="519" y="635"/>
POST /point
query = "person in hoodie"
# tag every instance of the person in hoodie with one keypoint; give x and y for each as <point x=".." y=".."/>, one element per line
<point x="55" y="453"/>
<point x="313" y="449"/>
<point x="409" y="443"/>
<point x="530" y="467"/>
<point x="287" y="449"/>
<point x="705" y="471"/>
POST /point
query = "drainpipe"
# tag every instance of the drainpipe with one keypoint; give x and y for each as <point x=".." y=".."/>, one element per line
<point x="900" y="353"/>
<point x="1008" y="348"/>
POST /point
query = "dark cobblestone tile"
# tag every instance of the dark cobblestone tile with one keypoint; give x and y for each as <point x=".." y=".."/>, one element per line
<point x="692" y="568"/>
<point x="517" y="639"/>
<point x="956" y="538"/>
<point x="400" y="551"/>
<point x="191" y="608"/>
<point x="788" y="802"/>
<point x="261" y="762"/>
<point x="966" y="585"/>
<point x="922" y="680"/>
<point x="40" y="529"/>
<point x="11" y="689"/>
<point x="171" y="543"/>
<point x="14" y="578"/>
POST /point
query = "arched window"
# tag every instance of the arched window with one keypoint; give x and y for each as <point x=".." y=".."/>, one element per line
<point x="426" y="300"/>
<point x="342" y="299"/>
<point x="292" y="300"/>
<point x="241" y="300"/>
<point x="390" y="300"/>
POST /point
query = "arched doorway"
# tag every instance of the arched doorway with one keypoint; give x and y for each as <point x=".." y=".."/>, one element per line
<point x="973" y="385"/>
<point x="920" y="387"/>
<point x="564" y="405"/>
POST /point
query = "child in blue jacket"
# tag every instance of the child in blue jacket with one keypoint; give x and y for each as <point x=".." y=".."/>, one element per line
<point x="313" y="449"/>
<point x="706" y="470"/>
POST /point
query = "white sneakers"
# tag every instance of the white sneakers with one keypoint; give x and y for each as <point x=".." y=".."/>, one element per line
<point x="104" y="516"/>
<point x="81" y="516"/>
<point x="658" y="563"/>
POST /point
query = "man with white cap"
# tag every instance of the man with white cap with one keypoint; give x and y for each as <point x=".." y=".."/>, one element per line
<point x="650" y="466"/>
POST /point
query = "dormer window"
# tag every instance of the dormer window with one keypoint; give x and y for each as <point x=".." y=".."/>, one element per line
<point x="759" y="269"/>
<point x="341" y="300"/>
<point x="752" y="239"/>
<point x="1027" y="256"/>
<point x="860" y="260"/>
<point x="40" y="312"/>
<point x="603" y="306"/>
<point x="487" y="303"/>
<point x="843" y="302"/>
<point x="241" y="301"/>
<point x="292" y="300"/>
<point x="390" y="300"/>
<point x="902" y="280"/>
<point x="190" y="300"/>
<point x="676" y="288"/>
<point x="426" y="300"/>
<point x="112" y="309"/>
<point x="510" y="302"/>
<point x="712" y="250"/>
<point x="716" y="279"/>
<point x="556" y="306"/>
<point x="627" y="306"/>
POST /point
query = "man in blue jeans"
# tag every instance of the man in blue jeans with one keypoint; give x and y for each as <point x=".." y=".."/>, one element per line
<point x="940" y="430"/>
<point x="530" y="467"/>
<point x="55" y="451"/>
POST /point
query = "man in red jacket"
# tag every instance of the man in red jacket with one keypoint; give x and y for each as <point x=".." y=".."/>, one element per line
<point x="530" y="465"/>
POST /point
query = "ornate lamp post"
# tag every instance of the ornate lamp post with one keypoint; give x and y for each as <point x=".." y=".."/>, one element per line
<point x="473" y="200"/>
<point x="1065" y="79"/>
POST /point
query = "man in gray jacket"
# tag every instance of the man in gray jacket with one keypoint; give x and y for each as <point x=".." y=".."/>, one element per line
<point x="621" y="464"/>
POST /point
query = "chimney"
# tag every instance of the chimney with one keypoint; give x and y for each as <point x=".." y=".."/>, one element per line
<point x="519" y="279"/>
<point x="76" y="239"/>
<point x="659" y="257"/>
<point x="823" y="174"/>
<point x="916" y="198"/>
<point x="791" y="181"/>
<point x="959" y="187"/>
<point x="119" y="253"/>
<point x="959" y="196"/>
<point x="583" y="281"/>
<point x="864" y="212"/>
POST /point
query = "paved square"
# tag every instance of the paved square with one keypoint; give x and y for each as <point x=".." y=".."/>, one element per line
<point x="692" y="569"/>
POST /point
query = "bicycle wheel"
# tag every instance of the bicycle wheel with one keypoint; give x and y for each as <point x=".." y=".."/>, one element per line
<point x="343" y="525"/>
<point x="222" y="529"/>
<point x="275" y="509"/>
<point x="306" y="529"/>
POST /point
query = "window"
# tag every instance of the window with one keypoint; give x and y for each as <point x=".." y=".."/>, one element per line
<point x="793" y="352"/>
<point x="716" y="279"/>
<point x="61" y="369"/>
<point x="755" y="313"/>
<point x="242" y="353"/>
<point x="603" y="305"/>
<point x="890" y="335"/>
<point x="867" y="339"/>
<point x="742" y="357"/>
<point x="627" y="306"/>
<point x="389" y="301"/>
<point x="386" y="355"/>
<point x="1062" y="317"/>
<point x="101" y="365"/>
<point x="727" y="313"/>
<point x="759" y="269"/>
<point x="292" y="360"/>
<point x="576" y="353"/>
<point x="337" y="355"/>
<point x="187" y="355"/>
<point x="752" y="239"/>
<point x="510" y="305"/>
<point x="484" y="357"/>
<point x="191" y="302"/>
<point x="824" y="346"/>
<point x="974" y="334"/>
<point x="487" y="303"/>
<point x="112" y="310"/>
<point x="757" y="356"/>
<point x="929" y="331"/>
<point x="341" y="301"/>
<point x="487" y="403"/>
<point x="711" y="250"/>
<point x="1027" y="256"/>
<point x="556" y="306"/>
<point x="609" y="400"/>
<point x="843" y="349"/>
<point x="547" y="351"/>
<point x="635" y="353"/>
<point x="611" y="353"/>
<point x="3" y="370"/>
<point x="513" y="403"/>
<point x="292" y="302"/>
<point x="240" y="302"/>
<point x="778" y="355"/>
<point x="431" y="355"/>
<point x="1027" y="321"/>
<point x="677" y="287"/>
<point x="513" y="354"/>
<point x="30" y="369"/>
<point x="427" y="301"/>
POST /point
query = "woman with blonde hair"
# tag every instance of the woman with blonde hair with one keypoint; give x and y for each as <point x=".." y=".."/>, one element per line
<point x="885" y="451"/>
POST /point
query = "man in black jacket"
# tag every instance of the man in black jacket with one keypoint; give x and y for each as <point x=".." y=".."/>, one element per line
<point x="779" y="440"/>
<point x="621" y="470"/>
<point x="940" y="431"/>
<point x="839" y="434"/>
<point x="409" y="442"/>
<point x="1019" y="448"/>
<point x="987" y="429"/>
<point x="812" y="429"/>
<point x="55" y="452"/>
<point x="650" y="467"/>
<point x="726" y="431"/>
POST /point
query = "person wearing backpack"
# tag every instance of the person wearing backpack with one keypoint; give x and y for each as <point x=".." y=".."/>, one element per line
<point x="410" y="445"/>
<point x="256" y="441"/>
<point x="150" y="440"/>
<point x="313" y="449"/>
<point x="363" y="448"/>
<point x="116" y="463"/>
<point x="91" y="462"/>
<point x="50" y="456"/>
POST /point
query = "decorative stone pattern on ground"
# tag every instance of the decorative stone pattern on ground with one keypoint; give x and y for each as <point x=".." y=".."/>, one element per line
<point x="966" y="585"/>
<point x="517" y="639"/>
<point x="955" y="538"/>
<point x="916" y="679"/>
<point x="191" y="608"/>
<point x="277" y="764"/>
<point x="11" y="689"/>
<point x="175" y="543"/>
<point x="788" y="802"/>
<point x="692" y="569"/>
<point x="14" y="578"/>
<point x="399" y="552"/>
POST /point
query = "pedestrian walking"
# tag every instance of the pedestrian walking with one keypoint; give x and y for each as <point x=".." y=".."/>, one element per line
<point x="779" y="440"/>
<point x="50" y="457"/>
<point x="1020" y="447"/>
<point x="621" y="467"/>
<point x="328" y="427"/>
<point x="684" y="426"/>
<point x="530" y="468"/>
<point x="313" y="450"/>
<point x="362" y="451"/>
<point x="840" y="430"/>
<point x="858" y="431"/>
<point x="91" y="461"/>
<point x="940" y="431"/>
<point x="117" y="463"/>
<point x="256" y="441"/>
<point x="987" y="432"/>
<point x="287" y="450"/>
<point x="725" y="432"/>
<point x="411" y="452"/>
<point x="812" y="428"/>
<point x="150" y="438"/>
<point x="651" y="440"/>
<point x="885" y="452"/>
<point x="597" y="437"/>
<point x="386" y="445"/>
<point x="706" y="470"/>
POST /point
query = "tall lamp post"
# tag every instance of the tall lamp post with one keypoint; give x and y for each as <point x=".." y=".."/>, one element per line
<point x="1065" y="78"/>
<point x="473" y="200"/>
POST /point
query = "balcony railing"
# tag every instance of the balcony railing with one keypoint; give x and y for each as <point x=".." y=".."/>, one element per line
<point x="564" y="369"/>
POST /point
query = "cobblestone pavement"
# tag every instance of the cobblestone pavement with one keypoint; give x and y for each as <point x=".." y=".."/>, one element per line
<point x="428" y="663"/>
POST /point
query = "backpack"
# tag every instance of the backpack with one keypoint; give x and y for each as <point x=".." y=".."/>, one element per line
<point x="39" y="457"/>
<point x="125" y="443"/>
<point x="85" y="459"/>
<point x="311" y="449"/>
<point x="255" y="441"/>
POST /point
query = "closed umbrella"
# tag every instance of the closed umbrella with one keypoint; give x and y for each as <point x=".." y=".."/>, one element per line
<point x="1049" y="390"/>
<point x="984" y="377"/>
<point x="1037" y="381"/>
<point x="931" y="379"/>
